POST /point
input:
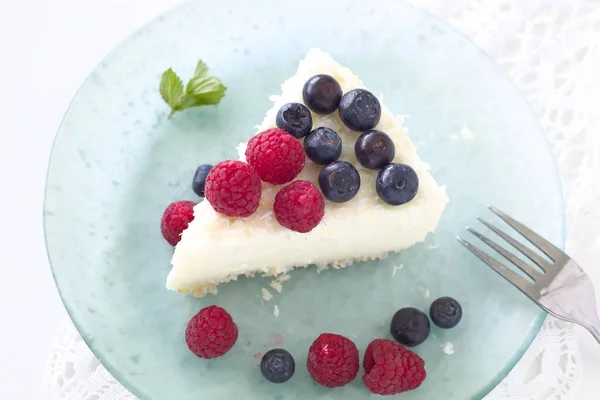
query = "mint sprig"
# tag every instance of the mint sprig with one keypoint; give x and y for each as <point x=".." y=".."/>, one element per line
<point x="201" y="90"/>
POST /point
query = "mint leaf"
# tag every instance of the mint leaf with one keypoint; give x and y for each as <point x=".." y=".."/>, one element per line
<point x="205" y="90"/>
<point x="201" y="90"/>
<point x="189" y="102"/>
<point x="201" y="69"/>
<point x="171" y="88"/>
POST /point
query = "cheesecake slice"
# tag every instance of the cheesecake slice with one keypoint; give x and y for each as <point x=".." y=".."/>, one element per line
<point x="215" y="249"/>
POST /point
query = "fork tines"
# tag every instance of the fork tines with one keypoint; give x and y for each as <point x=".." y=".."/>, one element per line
<point x="545" y="266"/>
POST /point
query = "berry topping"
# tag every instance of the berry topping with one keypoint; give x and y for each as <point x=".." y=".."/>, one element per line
<point x="332" y="360"/>
<point x="277" y="156"/>
<point x="445" y="312"/>
<point x="339" y="181"/>
<point x="299" y="206"/>
<point x="176" y="219"/>
<point x="323" y="145"/>
<point x="374" y="149"/>
<point x="397" y="184"/>
<point x="360" y="110"/>
<point x="277" y="366"/>
<point x="295" y="119"/>
<point x="410" y="327"/>
<point x="199" y="181"/>
<point x="322" y="94"/>
<point x="233" y="188"/>
<point x="211" y="333"/>
<point x="391" y="369"/>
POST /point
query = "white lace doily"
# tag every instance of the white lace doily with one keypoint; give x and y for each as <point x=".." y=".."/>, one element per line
<point x="551" y="49"/>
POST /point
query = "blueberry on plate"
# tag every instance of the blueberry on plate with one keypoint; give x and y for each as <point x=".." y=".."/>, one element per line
<point x="360" y="110"/>
<point x="322" y="94"/>
<point x="200" y="179"/>
<point x="374" y="149"/>
<point x="295" y="119"/>
<point x="323" y="145"/>
<point x="339" y="181"/>
<point x="397" y="184"/>
<point x="277" y="366"/>
<point x="410" y="327"/>
<point x="445" y="312"/>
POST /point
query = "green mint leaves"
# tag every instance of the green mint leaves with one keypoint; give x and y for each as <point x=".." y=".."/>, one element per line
<point x="171" y="89"/>
<point x="201" y="90"/>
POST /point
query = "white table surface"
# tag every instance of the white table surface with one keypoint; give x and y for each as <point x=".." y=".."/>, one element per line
<point x="47" y="48"/>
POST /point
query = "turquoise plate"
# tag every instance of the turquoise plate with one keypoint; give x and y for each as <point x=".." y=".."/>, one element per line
<point x="118" y="161"/>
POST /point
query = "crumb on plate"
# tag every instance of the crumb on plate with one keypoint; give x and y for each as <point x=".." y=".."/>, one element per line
<point x="266" y="295"/>
<point x="448" y="348"/>
<point x="276" y="285"/>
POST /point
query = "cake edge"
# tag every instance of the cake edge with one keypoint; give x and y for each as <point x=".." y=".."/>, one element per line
<point x="212" y="288"/>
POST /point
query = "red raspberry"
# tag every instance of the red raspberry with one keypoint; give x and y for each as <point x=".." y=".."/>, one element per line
<point x="391" y="369"/>
<point x="332" y="360"/>
<point x="277" y="156"/>
<point x="233" y="188"/>
<point x="176" y="219"/>
<point x="299" y="206"/>
<point x="211" y="333"/>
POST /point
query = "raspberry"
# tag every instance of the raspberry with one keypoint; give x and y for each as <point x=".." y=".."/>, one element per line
<point x="332" y="360"/>
<point x="299" y="206"/>
<point x="176" y="219"/>
<point x="277" y="156"/>
<point x="233" y="188"/>
<point x="211" y="333"/>
<point x="391" y="369"/>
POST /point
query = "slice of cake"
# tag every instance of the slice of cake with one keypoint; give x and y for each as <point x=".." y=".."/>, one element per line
<point x="364" y="221"/>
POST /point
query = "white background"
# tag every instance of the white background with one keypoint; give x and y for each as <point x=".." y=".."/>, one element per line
<point x="47" y="48"/>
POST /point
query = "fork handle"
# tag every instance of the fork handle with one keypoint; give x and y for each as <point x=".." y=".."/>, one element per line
<point x="595" y="331"/>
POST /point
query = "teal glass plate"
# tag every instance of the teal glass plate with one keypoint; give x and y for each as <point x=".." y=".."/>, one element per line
<point x="118" y="161"/>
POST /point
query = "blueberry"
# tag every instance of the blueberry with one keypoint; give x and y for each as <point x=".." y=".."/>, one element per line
<point x="410" y="327"/>
<point x="339" y="181"/>
<point x="360" y="110"/>
<point x="277" y="366"/>
<point x="323" y="145"/>
<point x="200" y="179"/>
<point x="295" y="119"/>
<point x="397" y="184"/>
<point x="445" y="312"/>
<point x="322" y="94"/>
<point x="374" y="149"/>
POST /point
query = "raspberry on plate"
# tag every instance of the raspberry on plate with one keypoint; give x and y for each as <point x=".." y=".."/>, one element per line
<point x="277" y="156"/>
<point x="233" y="188"/>
<point x="176" y="219"/>
<point x="391" y="369"/>
<point x="211" y="333"/>
<point x="299" y="206"/>
<point x="332" y="360"/>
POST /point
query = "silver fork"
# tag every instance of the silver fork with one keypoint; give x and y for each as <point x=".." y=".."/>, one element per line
<point x="560" y="287"/>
